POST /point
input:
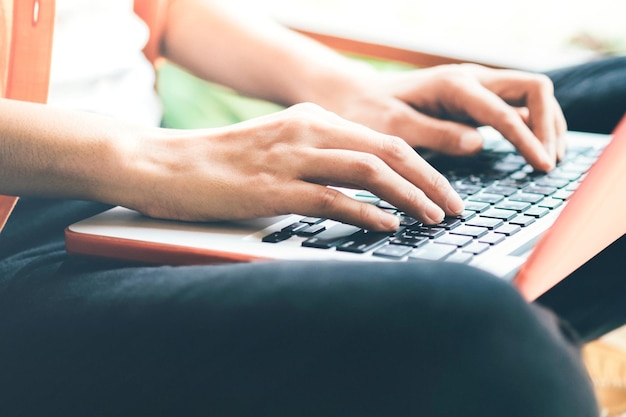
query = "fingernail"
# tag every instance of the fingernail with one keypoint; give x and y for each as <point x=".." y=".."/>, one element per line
<point x="546" y="161"/>
<point x="434" y="212"/>
<point x="551" y="150"/>
<point x="471" y="141"/>
<point x="454" y="203"/>
<point x="389" y="221"/>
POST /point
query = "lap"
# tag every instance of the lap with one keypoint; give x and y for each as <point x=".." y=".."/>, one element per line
<point x="593" y="94"/>
<point x="275" y="338"/>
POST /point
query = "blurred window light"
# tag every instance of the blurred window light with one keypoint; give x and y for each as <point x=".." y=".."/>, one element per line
<point x="530" y="34"/>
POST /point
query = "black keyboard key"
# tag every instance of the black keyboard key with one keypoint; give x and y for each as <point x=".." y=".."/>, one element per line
<point x="449" y="223"/>
<point x="431" y="232"/>
<point x="567" y="175"/>
<point x="501" y="214"/>
<point x="472" y="231"/>
<point x="412" y="241"/>
<point x="518" y="206"/>
<point x="466" y="215"/>
<point x="526" y="197"/>
<point x="515" y="159"/>
<point x="562" y="194"/>
<point x="276" y="237"/>
<point x="522" y="220"/>
<point x="393" y="251"/>
<point x="580" y="166"/>
<point x="476" y="206"/>
<point x="537" y="211"/>
<point x="508" y="229"/>
<point x="476" y="248"/>
<point x="535" y="189"/>
<point x="550" y="203"/>
<point x="467" y="189"/>
<point x="363" y="241"/>
<point x="507" y="167"/>
<point x="501" y="190"/>
<point x="455" y="240"/>
<point x="386" y="205"/>
<point x="513" y="182"/>
<point x="487" y="198"/>
<point x="485" y="222"/>
<point x="492" y="238"/>
<point x="312" y="230"/>
<point x="332" y="237"/>
<point x="408" y="221"/>
<point x="295" y="228"/>
<point x="432" y="252"/>
<point x="311" y="220"/>
<point x="552" y="182"/>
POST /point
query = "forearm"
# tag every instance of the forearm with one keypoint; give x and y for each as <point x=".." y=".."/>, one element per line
<point x="254" y="56"/>
<point x="57" y="153"/>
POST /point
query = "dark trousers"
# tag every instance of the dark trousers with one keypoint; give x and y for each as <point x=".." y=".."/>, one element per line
<point x="592" y="95"/>
<point x="81" y="337"/>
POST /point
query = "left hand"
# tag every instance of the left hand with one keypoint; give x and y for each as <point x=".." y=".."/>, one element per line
<point x="439" y="108"/>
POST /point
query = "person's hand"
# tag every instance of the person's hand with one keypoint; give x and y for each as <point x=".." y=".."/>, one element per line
<point x="439" y="108"/>
<point x="283" y="163"/>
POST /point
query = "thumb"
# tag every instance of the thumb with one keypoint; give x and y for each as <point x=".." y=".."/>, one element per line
<point x="444" y="136"/>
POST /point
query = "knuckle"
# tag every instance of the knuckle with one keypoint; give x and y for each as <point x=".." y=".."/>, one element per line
<point x="367" y="166"/>
<point x="542" y="84"/>
<point x="328" y="199"/>
<point x="455" y="74"/>
<point x="394" y="147"/>
<point x="508" y="119"/>
<point x="414" y="197"/>
<point x="307" y="120"/>
<point x="295" y="122"/>
<point x="471" y="67"/>
<point x="364" y="213"/>
<point x="392" y="117"/>
<point x="453" y="79"/>
<point x="452" y="145"/>
<point x="299" y="121"/>
<point x="306" y="108"/>
<point x="438" y="182"/>
<point x="449" y="141"/>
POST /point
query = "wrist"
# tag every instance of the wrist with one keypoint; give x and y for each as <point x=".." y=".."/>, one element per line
<point x="331" y="85"/>
<point x="136" y="165"/>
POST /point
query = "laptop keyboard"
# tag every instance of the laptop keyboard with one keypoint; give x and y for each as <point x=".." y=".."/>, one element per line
<point x="502" y="195"/>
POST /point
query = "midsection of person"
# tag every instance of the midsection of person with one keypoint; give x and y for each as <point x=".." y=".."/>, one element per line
<point x="98" y="64"/>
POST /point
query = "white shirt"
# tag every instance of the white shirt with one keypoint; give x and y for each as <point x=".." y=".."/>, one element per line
<point x="97" y="63"/>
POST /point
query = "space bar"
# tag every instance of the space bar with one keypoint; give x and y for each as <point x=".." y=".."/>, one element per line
<point x="331" y="237"/>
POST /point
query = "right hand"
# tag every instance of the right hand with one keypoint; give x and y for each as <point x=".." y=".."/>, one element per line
<point x="283" y="163"/>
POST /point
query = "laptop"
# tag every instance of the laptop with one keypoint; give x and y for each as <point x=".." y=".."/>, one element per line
<point x="530" y="228"/>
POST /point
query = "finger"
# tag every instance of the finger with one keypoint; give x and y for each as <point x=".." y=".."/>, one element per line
<point x="421" y="130"/>
<point x="561" y="130"/>
<point x="320" y="201"/>
<point x="389" y="157"/>
<point x="488" y="108"/>
<point x="534" y="91"/>
<point x="523" y="113"/>
<point x="366" y="171"/>
<point x="543" y="113"/>
<point x="402" y="159"/>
